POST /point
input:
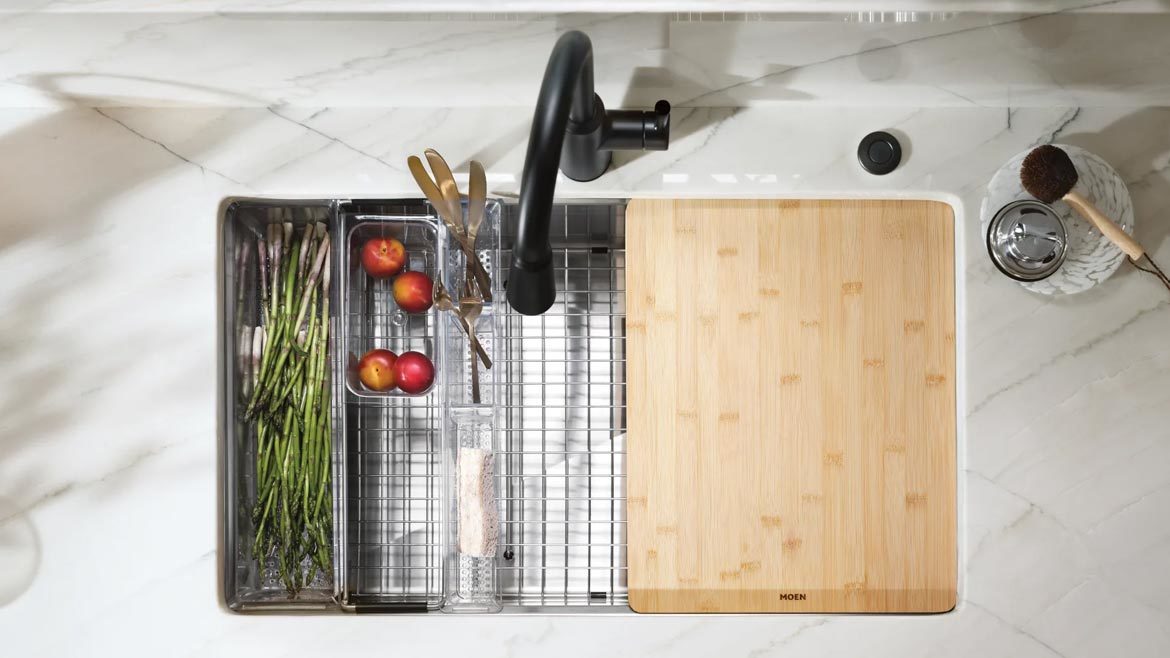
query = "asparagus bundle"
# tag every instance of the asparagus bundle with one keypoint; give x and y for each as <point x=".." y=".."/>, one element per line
<point x="290" y="404"/>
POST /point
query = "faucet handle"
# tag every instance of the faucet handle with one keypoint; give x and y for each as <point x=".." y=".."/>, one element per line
<point x="658" y="138"/>
<point x="646" y="130"/>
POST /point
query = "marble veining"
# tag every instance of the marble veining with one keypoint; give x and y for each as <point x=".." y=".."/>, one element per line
<point x="108" y="245"/>
<point x="716" y="9"/>
<point x="268" y="59"/>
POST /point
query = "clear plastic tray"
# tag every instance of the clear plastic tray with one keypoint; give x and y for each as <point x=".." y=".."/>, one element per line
<point x="471" y="578"/>
<point x="397" y="500"/>
<point x="372" y="319"/>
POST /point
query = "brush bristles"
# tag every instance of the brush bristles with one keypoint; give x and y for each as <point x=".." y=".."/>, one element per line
<point x="1048" y="173"/>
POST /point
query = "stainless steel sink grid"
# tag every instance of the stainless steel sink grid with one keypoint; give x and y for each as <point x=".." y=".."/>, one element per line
<point x="562" y="466"/>
<point x="393" y="548"/>
<point x="559" y="398"/>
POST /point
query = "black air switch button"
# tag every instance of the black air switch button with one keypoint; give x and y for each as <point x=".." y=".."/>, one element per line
<point x="879" y="153"/>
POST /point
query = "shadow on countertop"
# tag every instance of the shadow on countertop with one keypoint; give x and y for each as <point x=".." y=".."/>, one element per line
<point x="65" y="329"/>
<point x="1135" y="145"/>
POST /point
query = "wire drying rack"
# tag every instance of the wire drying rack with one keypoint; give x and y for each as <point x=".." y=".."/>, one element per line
<point x="562" y="457"/>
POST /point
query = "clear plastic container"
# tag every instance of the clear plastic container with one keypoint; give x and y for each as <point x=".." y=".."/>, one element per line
<point x="458" y="366"/>
<point x="373" y="319"/>
<point x="399" y="506"/>
<point x="471" y="561"/>
<point x="471" y="565"/>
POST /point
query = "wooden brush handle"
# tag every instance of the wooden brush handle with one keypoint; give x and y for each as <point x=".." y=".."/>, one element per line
<point x="1108" y="227"/>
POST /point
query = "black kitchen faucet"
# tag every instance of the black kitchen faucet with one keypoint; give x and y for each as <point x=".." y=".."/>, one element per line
<point x="573" y="131"/>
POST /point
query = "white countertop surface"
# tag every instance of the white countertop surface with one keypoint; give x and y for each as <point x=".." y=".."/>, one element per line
<point x="859" y="7"/>
<point x="108" y="250"/>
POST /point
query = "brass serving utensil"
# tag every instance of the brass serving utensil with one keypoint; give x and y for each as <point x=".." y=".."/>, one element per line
<point x="476" y="204"/>
<point x="427" y="185"/>
<point x="476" y="200"/>
<point x="444" y="301"/>
<point x="447" y="187"/>
<point x="473" y="263"/>
<point x="451" y="220"/>
<point x="470" y="307"/>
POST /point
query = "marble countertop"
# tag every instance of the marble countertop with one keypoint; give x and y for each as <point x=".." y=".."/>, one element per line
<point x="887" y="10"/>
<point x="108" y="406"/>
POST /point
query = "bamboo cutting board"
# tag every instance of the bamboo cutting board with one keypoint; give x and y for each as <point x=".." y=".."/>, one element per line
<point x="791" y="406"/>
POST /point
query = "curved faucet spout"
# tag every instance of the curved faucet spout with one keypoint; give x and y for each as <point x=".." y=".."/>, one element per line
<point x="570" y="131"/>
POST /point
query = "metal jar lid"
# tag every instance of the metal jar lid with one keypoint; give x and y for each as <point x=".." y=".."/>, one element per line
<point x="1027" y="240"/>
